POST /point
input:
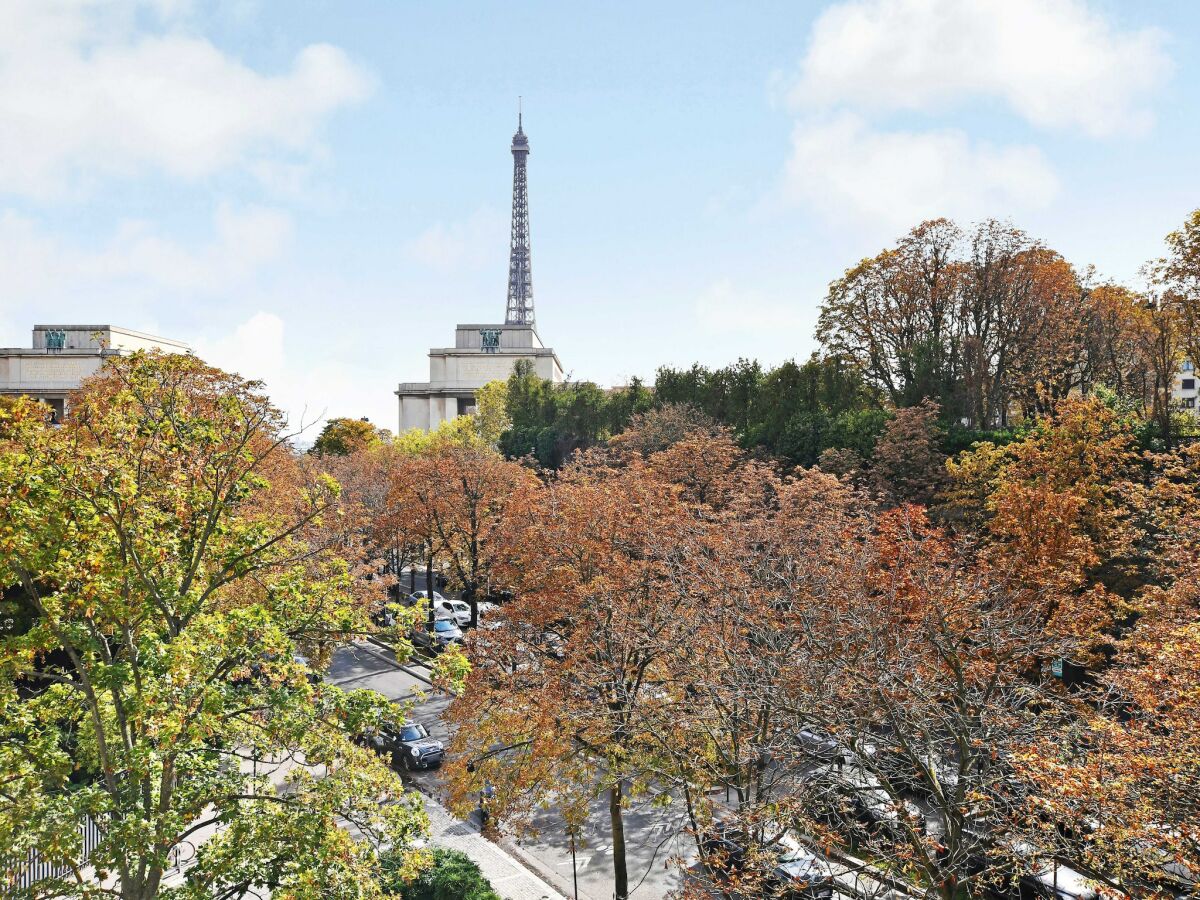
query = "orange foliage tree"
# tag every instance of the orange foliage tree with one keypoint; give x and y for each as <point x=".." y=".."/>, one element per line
<point x="600" y="559"/>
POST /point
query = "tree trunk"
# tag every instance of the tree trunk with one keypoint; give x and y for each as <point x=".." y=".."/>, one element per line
<point x="469" y="596"/>
<point x="429" y="591"/>
<point x="620" y="871"/>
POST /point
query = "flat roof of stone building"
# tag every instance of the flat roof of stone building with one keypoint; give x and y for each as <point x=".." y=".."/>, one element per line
<point x="117" y="328"/>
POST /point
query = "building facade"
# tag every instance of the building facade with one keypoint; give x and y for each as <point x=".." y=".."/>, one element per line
<point x="61" y="356"/>
<point x="483" y="353"/>
<point x="1185" y="393"/>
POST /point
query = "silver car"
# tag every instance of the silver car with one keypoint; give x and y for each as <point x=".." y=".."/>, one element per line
<point x="443" y="633"/>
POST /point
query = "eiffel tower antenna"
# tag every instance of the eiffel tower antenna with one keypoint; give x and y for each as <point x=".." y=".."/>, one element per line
<point x="520" y="275"/>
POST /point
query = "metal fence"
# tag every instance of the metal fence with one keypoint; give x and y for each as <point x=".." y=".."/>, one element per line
<point x="22" y="873"/>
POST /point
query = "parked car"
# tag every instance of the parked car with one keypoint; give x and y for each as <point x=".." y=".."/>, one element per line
<point x="850" y="793"/>
<point x="724" y="848"/>
<point x="1058" y="882"/>
<point x="443" y="633"/>
<point x="310" y="674"/>
<point x="409" y="745"/>
<point x="424" y="595"/>
<point x="417" y="749"/>
<point x="817" y="746"/>
<point x="922" y="777"/>
<point x="800" y="873"/>
<point x="875" y="808"/>
<point x="1051" y="880"/>
<point x="457" y="610"/>
<point x="787" y="869"/>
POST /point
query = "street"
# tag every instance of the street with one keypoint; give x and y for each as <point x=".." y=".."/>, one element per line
<point x="653" y="835"/>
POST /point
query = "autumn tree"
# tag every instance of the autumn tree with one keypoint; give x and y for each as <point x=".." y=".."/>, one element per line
<point x="364" y="528"/>
<point x="1163" y="339"/>
<point x="992" y="324"/>
<point x="342" y="437"/>
<point x="662" y="426"/>
<point x="1178" y="275"/>
<point x="777" y="550"/>
<point x="1120" y="786"/>
<point x="1115" y="346"/>
<point x="909" y="465"/>
<point x="894" y="315"/>
<point x="166" y="545"/>
<point x="599" y="561"/>
<point x="461" y="495"/>
<point x="928" y="680"/>
<point x="1061" y="509"/>
<point x="415" y="503"/>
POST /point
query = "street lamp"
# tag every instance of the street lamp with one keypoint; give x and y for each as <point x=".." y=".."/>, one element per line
<point x="574" y="871"/>
<point x="495" y="751"/>
<point x="488" y="789"/>
<point x="571" y="828"/>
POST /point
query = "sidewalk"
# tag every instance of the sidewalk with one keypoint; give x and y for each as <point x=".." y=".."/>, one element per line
<point x="511" y="880"/>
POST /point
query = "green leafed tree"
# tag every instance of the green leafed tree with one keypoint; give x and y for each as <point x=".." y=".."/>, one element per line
<point x="165" y="546"/>
<point x="343" y="437"/>
<point x="453" y="876"/>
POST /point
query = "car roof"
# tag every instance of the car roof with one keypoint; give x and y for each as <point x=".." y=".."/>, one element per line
<point x="802" y="864"/>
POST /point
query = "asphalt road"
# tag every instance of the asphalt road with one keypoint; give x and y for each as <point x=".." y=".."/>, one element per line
<point x="651" y="834"/>
<point x="366" y="665"/>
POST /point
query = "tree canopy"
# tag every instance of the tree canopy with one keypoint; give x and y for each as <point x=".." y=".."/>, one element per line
<point x="170" y="551"/>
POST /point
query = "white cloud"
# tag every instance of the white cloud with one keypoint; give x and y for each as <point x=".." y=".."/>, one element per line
<point x="308" y="390"/>
<point x="1056" y="63"/>
<point x="44" y="272"/>
<point x="86" y="91"/>
<point x="896" y="178"/>
<point x="724" y="309"/>
<point x="472" y="242"/>
<point x="253" y="350"/>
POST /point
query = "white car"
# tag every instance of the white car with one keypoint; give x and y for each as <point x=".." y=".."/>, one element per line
<point x="424" y="595"/>
<point x="457" y="610"/>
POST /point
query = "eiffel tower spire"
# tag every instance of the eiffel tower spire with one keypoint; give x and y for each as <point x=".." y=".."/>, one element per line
<point x="520" y="274"/>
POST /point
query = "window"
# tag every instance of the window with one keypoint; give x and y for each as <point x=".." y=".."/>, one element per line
<point x="1187" y="402"/>
<point x="1188" y="384"/>
<point x="413" y="733"/>
<point x="1187" y="365"/>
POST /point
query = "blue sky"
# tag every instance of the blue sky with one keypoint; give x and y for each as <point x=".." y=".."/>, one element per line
<point x="314" y="193"/>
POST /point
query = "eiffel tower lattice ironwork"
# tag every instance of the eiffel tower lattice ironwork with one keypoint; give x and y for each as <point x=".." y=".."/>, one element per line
<point x="520" y="274"/>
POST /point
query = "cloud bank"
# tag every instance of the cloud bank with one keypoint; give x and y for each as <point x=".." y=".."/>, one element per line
<point x="1052" y="64"/>
<point x="87" y="92"/>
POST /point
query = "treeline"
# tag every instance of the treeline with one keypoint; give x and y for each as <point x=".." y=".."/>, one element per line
<point x="793" y="411"/>
<point x="988" y="323"/>
<point x="998" y="328"/>
<point x="551" y="421"/>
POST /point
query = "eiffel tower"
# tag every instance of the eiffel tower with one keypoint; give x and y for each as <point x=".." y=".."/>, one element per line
<point x="520" y="274"/>
<point x="485" y="352"/>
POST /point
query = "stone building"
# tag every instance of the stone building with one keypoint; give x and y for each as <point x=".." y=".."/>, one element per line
<point x="63" y="355"/>
<point x="483" y="353"/>
<point x="1185" y="390"/>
